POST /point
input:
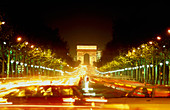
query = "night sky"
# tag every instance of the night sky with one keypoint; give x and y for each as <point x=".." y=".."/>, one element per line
<point x="93" y="22"/>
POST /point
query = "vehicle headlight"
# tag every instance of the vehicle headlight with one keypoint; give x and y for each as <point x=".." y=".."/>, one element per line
<point x="68" y="100"/>
<point x="2" y="100"/>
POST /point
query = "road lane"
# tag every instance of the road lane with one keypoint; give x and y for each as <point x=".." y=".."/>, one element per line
<point x="99" y="89"/>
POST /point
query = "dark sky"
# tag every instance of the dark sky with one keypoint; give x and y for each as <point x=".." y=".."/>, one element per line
<point x="91" y="22"/>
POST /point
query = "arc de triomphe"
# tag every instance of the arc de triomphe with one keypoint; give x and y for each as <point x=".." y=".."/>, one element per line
<point x="87" y="54"/>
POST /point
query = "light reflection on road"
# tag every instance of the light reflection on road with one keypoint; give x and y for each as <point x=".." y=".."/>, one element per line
<point x="72" y="80"/>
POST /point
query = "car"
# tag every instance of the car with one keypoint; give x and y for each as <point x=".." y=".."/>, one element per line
<point x="150" y="91"/>
<point x="47" y="95"/>
<point x="145" y="95"/>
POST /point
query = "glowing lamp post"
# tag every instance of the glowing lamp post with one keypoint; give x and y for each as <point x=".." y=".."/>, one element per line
<point x="26" y="43"/>
<point x="32" y="46"/>
<point x="158" y="38"/>
<point x="12" y="61"/>
<point x="153" y="65"/>
<point x="150" y="42"/>
<point x="2" y="22"/>
<point x="19" y="39"/>
<point x="169" y="31"/>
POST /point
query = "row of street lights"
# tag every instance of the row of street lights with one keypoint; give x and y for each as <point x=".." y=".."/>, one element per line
<point x="23" y="64"/>
<point x="158" y="74"/>
<point x="151" y="63"/>
<point x="14" y="51"/>
<point x="2" y="22"/>
<point x="18" y="61"/>
<point x="19" y="39"/>
<point x="24" y="58"/>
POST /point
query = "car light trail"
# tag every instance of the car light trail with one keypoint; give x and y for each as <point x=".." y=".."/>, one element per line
<point x="86" y="89"/>
<point x="127" y="85"/>
<point x="46" y="106"/>
<point x="117" y="106"/>
<point x="89" y="94"/>
<point x="3" y="100"/>
<point x="95" y="100"/>
<point x="68" y="100"/>
<point x="5" y="103"/>
<point x="23" y="83"/>
<point x="7" y="92"/>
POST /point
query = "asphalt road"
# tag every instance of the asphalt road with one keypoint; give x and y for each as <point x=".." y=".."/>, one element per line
<point x="101" y="90"/>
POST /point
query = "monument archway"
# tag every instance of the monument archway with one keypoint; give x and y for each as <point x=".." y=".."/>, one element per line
<point x="87" y="54"/>
<point x="86" y="59"/>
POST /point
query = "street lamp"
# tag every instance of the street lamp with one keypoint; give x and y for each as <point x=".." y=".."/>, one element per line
<point x="2" y="22"/>
<point x="169" y="31"/>
<point x="150" y="42"/>
<point x="26" y="43"/>
<point x="158" y="38"/>
<point x="153" y="65"/>
<point x="32" y="46"/>
<point x="19" y="39"/>
<point x="143" y="46"/>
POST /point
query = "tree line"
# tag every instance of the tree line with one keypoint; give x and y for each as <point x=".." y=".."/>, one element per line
<point x="148" y="62"/>
<point x="27" y="52"/>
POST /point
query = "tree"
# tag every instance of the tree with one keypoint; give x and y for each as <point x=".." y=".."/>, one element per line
<point x="6" y="33"/>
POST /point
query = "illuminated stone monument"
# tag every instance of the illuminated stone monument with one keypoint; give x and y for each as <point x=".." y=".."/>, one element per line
<point x="87" y="54"/>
